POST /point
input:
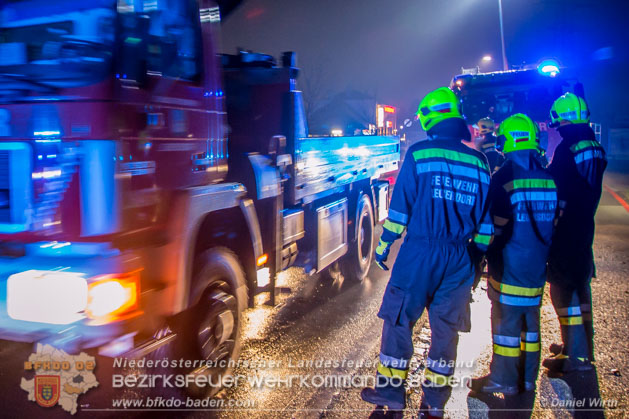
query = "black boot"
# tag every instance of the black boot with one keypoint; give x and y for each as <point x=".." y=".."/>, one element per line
<point x="385" y="393"/>
<point x="394" y="400"/>
<point x="562" y="364"/>
<point x="486" y="385"/>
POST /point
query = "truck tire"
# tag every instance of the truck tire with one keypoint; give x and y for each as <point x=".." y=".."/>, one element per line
<point x="355" y="264"/>
<point x="210" y="329"/>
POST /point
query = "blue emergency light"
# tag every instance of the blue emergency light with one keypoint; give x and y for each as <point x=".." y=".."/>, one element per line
<point x="548" y="68"/>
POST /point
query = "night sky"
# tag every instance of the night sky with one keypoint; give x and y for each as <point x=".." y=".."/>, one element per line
<point x="398" y="50"/>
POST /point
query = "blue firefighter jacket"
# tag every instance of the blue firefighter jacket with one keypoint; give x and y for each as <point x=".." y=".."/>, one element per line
<point x="577" y="166"/>
<point x="523" y="194"/>
<point x="441" y="195"/>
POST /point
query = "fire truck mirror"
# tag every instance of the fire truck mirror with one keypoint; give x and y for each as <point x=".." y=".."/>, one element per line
<point x="277" y="146"/>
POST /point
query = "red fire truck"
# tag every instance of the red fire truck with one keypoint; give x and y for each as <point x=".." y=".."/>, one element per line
<point x="150" y="187"/>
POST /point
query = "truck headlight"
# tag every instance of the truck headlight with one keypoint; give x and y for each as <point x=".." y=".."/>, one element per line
<point x="62" y="297"/>
<point x="110" y="296"/>
<point x="56" y="297"/>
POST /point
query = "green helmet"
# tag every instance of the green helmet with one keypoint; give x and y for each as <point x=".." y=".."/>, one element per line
<point x="437" y="106"/>
<point x="518" y="132"/>
<point x="571" y="108"/>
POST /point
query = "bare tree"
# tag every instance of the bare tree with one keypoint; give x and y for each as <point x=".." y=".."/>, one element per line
<point x="312" y="83"/>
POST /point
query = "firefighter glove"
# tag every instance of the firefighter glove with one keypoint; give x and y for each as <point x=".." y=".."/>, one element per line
<point x="382" y="253"/>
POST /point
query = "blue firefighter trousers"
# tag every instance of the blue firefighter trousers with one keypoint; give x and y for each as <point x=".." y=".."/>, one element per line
<point x="516" y="356"/>
<point x="573" y="305"/>
<point x="571" y="295"/>
<point x="437" y="275"/>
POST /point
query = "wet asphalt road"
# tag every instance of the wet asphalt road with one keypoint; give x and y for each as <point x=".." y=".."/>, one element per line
<point x="321" y="319"/>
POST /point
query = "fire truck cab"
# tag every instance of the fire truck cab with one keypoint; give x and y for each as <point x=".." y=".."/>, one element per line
<point x="128" y="221"/>
<point x="531" y="91"/>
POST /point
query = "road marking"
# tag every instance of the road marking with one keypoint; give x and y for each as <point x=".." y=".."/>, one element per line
<point x="618" y="197"/>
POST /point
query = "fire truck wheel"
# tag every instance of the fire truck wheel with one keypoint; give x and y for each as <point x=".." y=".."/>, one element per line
<point x="211" y="331"/>
<point x="355" y="264"/>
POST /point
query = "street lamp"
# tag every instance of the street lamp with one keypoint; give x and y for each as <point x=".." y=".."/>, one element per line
<point x="487" y="58"/>
<point x="505" y="66"/>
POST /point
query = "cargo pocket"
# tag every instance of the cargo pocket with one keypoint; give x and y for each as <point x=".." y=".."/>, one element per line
<point x="454" y="312"/>
<point x="392" y="303"/>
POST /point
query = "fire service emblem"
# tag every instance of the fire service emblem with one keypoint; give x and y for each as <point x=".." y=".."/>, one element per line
<point x="47" y="389"/>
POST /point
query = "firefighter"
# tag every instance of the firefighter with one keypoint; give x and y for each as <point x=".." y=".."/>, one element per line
<point x="577" y="166"/>
<point x="489" y="146"/>
<point x="488" y="143"/>
<point x="523" y="200"/>
<point x="440" y="201"/>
